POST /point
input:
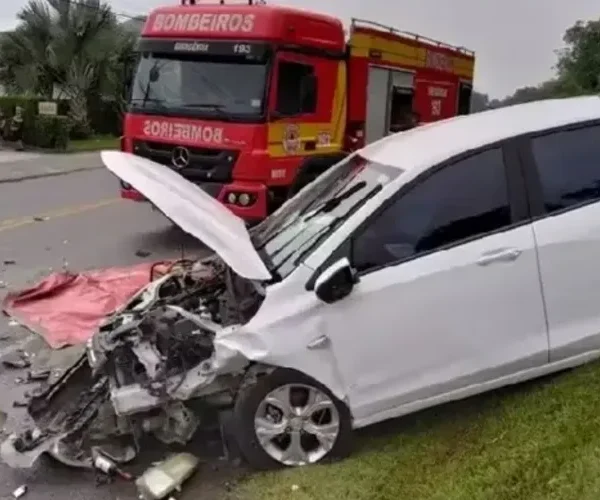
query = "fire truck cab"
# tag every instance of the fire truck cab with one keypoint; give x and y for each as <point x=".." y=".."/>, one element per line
<point x="252" y="102"/>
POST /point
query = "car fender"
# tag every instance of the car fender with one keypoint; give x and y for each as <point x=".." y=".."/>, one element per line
<point x="286" y="342"/>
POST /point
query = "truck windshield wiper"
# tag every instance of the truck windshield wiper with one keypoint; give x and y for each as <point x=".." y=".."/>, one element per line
<point x="209" y="105"/>
<point x="218" y="108"/>
<point x="158" y="102"/>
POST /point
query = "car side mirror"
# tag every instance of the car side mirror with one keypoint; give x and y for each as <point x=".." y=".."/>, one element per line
<point x="336" y="282"/>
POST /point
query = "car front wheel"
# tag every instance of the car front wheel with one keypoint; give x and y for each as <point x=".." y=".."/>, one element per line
<point x="286" y="418"/>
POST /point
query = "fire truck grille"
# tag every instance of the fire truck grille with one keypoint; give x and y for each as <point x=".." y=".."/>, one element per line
<point x="204" y="165"/>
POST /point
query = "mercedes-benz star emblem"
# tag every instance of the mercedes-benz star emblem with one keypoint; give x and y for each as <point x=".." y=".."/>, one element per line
<point x="180" y="157"/>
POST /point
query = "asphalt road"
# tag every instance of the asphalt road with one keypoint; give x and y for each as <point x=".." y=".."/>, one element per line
<point x="77" y="220"/>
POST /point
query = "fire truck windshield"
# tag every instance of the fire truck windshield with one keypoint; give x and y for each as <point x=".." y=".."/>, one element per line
<point x="174" y="84"/>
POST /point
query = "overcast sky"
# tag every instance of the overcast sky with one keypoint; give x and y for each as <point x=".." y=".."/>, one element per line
<point x="514" y="39"/>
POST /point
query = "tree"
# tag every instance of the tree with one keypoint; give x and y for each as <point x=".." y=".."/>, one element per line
<point x="76" y="48"/>
<point x="479" y="101"/>
<point x="577" y="69"/>
<point x="578" y="64"/>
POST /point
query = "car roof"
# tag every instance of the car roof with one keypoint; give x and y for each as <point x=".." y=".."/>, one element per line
<point x="428" y="145"/>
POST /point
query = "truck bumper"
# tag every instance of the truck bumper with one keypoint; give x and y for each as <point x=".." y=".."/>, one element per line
<point x="233" y="196"/>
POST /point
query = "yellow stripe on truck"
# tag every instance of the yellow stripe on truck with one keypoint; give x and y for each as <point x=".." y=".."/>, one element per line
<point x="308" y="131"/>
<point x="397" y="52"/>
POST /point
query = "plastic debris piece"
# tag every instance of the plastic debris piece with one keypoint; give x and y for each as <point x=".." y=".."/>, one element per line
<point x="20" y="491"/>
<point x="143" y="253"/>
<point x="160" y="481"/>
<point x="38" y="218"/>
<point x="10" y="262"/>
<point x="38" y="375"/>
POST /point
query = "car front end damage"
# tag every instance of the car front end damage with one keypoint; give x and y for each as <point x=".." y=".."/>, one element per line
<point x="155" y="367"/>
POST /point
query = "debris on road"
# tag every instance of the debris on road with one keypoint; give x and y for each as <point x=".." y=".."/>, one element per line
<point x="3" y="285"/>
<point x="156" y="367"/>
<point x="38" y="375"/>
<point x="14" y="322"/>
<point x="38" y="218"/>
<point x="66" y="308"/>
<point x="17" y="360"/>
<point x="167" y="477"/>
<point x="20" y="491"/>
<point x="10" y="262"/>
<point x="108" y="466"/>
<point x="143" y="253"/>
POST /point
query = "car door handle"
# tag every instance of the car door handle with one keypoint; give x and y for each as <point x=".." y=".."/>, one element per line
<point x="500" y="255"/>
<point x="319" y="343"/>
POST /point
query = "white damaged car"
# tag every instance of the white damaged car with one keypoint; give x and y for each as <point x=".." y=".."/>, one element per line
<point x="432" y="265"/>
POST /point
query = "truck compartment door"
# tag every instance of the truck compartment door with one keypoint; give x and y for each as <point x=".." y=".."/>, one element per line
<point x="385" y="85"/>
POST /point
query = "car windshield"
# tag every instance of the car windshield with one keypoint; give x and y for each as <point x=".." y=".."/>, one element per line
<point x="286" y="237"/>
<point x="189" y="85"/>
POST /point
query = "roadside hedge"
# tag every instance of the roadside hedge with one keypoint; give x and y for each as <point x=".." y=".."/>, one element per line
<point x="55" y="131"/>
<point x="52" y="132"/>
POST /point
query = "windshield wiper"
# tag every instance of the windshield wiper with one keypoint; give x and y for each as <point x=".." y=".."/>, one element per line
<point x="210" y="105"/>
<point x="324" y="230"/>
<point x="218" y="108"/>
<point x="158" y="102"/>
<point x="334" y="202"/>
<point x="328" y="206"/>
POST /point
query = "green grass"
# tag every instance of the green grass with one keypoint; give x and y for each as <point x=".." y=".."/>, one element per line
<point x="96" y="143"/>
<point x="539" y="441"/>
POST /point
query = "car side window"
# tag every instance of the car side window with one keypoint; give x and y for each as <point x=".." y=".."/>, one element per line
<point x="568" y="164"/>
<point x="460" y="201"/>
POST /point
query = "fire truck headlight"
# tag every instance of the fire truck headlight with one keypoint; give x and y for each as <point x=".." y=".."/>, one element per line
<point x="231" y="198"/>
<point x="244" y="199"/>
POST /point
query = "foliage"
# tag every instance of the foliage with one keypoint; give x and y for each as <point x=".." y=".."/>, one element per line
<point x="52" y="132"/>
<point x="577" y="70"/>
<point x="75" y="49"/>
<point x="29" y="106"/>
<point x="479" y="101"/>
<point x="579" y="62"/>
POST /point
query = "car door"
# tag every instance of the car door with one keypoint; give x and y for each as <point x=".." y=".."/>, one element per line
<point x="566" y="196"/>
<point x="449" y="293"/>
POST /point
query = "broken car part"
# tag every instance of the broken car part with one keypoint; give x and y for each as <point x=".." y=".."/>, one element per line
<point x="151" y="368"/>
<point x="20" y="491"/>
<point x="161" y="480"/>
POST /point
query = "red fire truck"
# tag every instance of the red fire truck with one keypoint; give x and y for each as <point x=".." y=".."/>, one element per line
<point x="251" y="102"/>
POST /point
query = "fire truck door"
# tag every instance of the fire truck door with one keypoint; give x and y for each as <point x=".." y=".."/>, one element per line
<point x="384" y="85"/>
<point x="378" y="89"/>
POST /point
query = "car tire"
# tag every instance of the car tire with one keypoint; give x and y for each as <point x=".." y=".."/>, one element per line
<point x="248" y="403"/>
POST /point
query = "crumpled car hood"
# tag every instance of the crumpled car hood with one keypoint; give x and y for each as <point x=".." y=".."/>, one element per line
<point x="193" y="210"/>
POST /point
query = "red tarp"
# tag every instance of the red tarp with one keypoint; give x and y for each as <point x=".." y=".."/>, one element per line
<point x="66" y="309"/>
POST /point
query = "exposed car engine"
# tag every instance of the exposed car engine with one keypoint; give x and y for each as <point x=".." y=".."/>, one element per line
<point x="143" y="370"/>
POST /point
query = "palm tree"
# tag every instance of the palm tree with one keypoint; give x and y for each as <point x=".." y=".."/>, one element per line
<point x="73" y="47"/>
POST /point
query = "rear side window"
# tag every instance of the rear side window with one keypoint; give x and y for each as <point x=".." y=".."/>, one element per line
<point x="569" y="167"/>
<point x="459" y="202"/>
